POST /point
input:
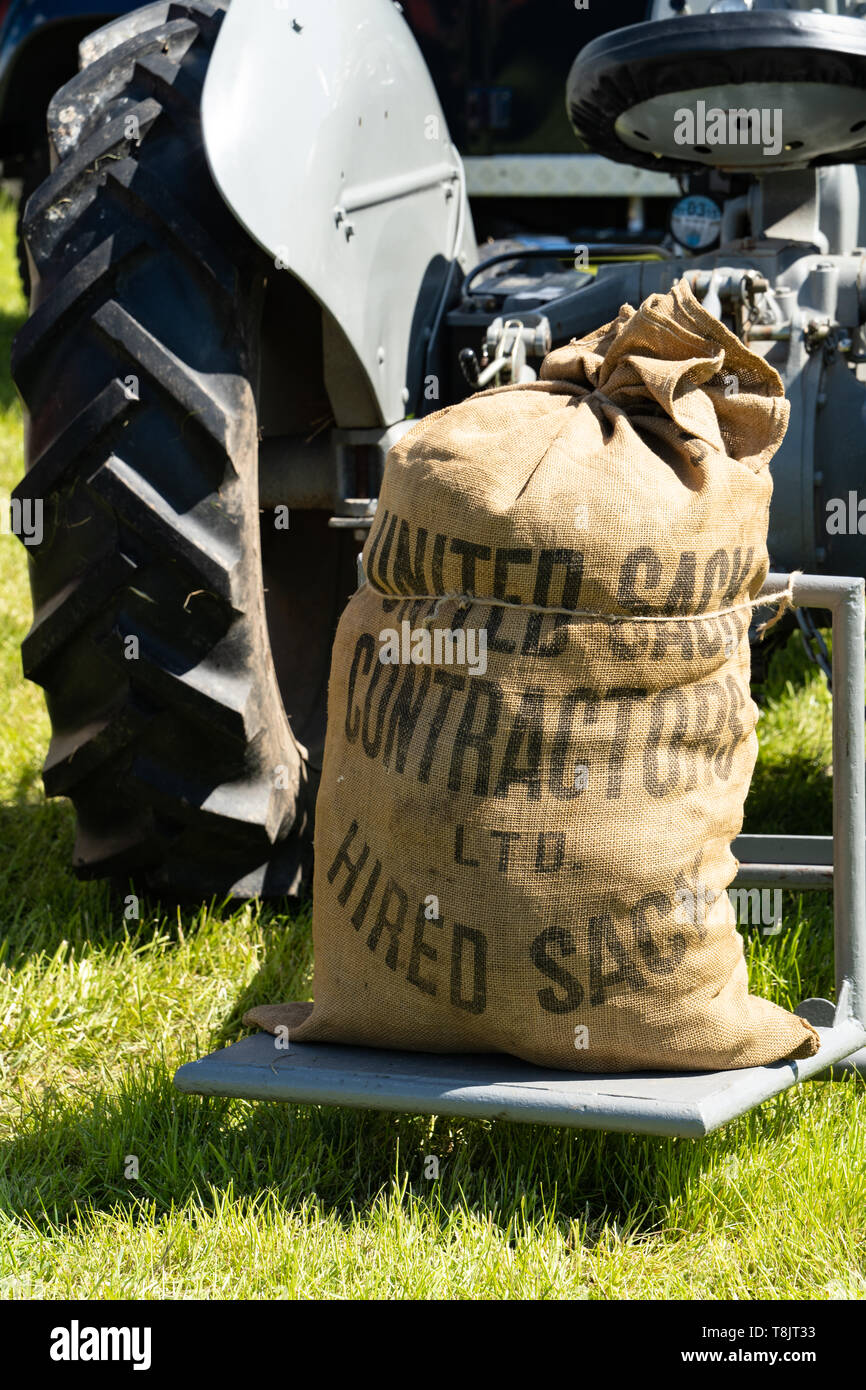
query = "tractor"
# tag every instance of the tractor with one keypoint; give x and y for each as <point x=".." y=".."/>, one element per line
<point x="259" y="258"/>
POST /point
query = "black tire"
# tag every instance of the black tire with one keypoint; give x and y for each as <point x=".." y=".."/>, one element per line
<point x="180" y="760"/>
<point x="33" y="172"/>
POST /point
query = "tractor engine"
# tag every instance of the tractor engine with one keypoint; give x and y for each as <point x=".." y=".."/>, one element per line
<point x="759" y="114"/>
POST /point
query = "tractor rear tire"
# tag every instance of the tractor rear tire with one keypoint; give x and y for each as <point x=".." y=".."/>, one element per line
<point x="34" y="171"/>
<point x="138" y="367"/>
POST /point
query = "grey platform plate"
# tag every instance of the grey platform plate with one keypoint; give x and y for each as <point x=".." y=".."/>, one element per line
<point x="482" y="1085"/>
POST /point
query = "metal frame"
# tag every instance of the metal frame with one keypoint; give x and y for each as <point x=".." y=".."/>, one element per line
<point x="562" y="176"/>
<point x="689" y="1104"/>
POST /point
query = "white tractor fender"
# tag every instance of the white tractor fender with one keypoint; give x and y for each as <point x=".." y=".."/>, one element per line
<point x="325" y="136"/>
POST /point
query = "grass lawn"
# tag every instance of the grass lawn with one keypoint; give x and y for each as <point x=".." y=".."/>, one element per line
<point x="264" y="1201"/>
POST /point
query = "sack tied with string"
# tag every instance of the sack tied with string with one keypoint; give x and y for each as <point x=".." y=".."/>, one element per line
<point x="523" y="841"/>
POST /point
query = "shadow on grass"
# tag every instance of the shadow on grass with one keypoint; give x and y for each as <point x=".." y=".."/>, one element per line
<point x="790" y="798"/>
<point x="9" y="326"/>
<point x="71" y="1157"/>
<point x="44" y="903"/>
<point x="792" y="786"/>
<point x="68" y="1163"/>
<point x="285" y="973"/>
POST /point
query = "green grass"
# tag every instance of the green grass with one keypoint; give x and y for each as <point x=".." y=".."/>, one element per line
<point x="264" y="1201"/>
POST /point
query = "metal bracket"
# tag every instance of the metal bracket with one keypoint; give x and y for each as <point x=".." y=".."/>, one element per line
<point x="327" y="471"/>
<point x="822" y="861"/>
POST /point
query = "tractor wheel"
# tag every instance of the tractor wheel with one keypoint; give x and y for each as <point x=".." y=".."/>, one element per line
<point x="34" y="171"/>
<point x="138" y="367"/>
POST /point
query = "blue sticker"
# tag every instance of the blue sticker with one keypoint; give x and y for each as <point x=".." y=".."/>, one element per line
<point x="696" y="221"/>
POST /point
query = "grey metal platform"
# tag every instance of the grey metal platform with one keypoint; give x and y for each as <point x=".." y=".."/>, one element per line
<point x="500" y="1088"/>
<point x="686" y="1104"/>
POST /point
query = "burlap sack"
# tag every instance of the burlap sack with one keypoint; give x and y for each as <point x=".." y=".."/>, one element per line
<point x="532" y="858"/>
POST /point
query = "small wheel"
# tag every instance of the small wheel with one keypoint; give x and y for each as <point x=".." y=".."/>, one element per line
<point x="625" y="91"/>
